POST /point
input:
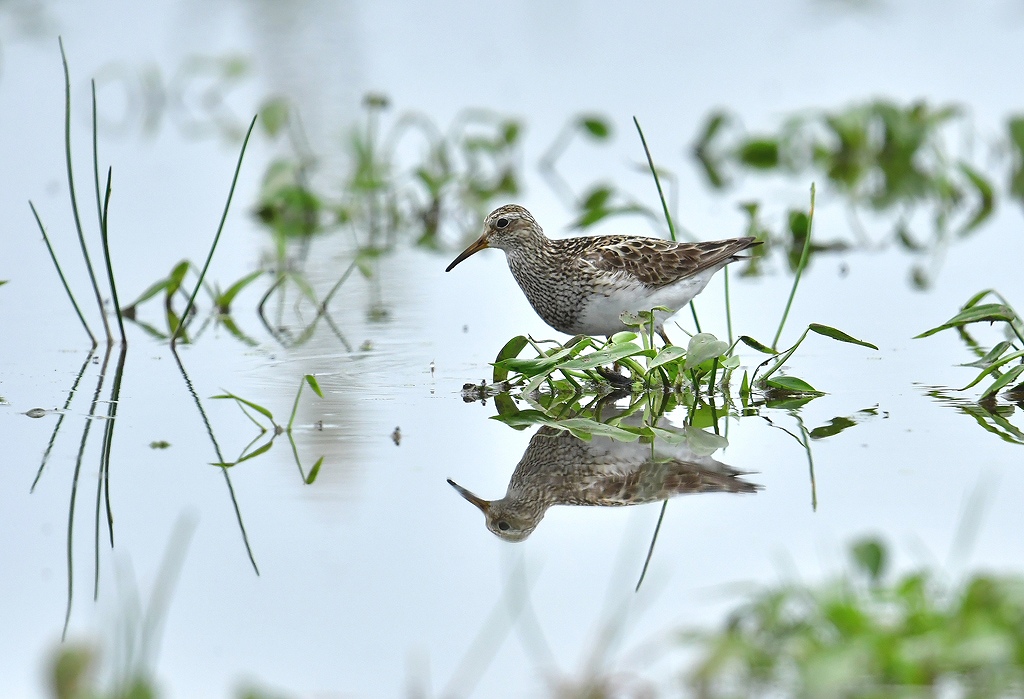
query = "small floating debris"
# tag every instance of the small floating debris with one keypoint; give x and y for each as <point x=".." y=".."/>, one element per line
<point x="432" y="368"/>
<point x="159" y="444"/>
<point x="396" y="436"/>
<point x="472" y="392"/>
<point x="366" y="346"/>
<point x="38" y="412"/>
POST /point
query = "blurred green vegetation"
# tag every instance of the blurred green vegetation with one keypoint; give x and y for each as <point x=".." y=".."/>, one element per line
<point x="869" y="634"/>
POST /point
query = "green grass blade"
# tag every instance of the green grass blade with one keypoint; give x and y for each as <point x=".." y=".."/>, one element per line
<point x="71" y="188"/>
<point x="220" y="228"/>
<point x="60" y="273"/>
<point x="227" y="395"/>
<point x="106" y="259"/>
<point x="657" y="181"/>
<point x="799" y="269"/>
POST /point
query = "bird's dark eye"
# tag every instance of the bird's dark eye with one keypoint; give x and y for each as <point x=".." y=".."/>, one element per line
<point x="503" y="525"/>
<point x="501" y="222"/>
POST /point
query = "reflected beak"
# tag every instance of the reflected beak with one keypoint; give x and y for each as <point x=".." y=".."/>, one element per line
<point x="478" y="501"/>
<point x="478" y="245"/>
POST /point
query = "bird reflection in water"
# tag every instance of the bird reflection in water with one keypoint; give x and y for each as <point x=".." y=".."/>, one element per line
<point x="560" y="469"/>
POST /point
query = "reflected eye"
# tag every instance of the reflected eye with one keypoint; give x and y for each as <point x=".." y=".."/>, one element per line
<point x="503" y="525"/>
<point x="501" y="222"/>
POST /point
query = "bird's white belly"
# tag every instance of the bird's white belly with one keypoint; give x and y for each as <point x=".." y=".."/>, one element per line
<point x="603" y="308"/>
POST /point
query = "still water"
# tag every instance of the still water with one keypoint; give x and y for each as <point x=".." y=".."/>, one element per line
<point x="376" y="578"/>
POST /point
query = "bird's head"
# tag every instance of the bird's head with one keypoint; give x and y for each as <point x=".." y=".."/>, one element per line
<point x="506" y="227"/>
<point x="502" y="520"/>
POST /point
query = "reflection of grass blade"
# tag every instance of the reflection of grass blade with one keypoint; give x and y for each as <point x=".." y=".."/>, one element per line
<point x="220" y="457"/>
<point x="60" y="273"/>
<point x="108" y="437"/>
<point x="216" y="238"/>
<point x="650" y="549"/>
<point x="60" y="420"/>
<point x="799" y="269"/>
<point x="74" y="491"/>
<point x="71" y="188"/>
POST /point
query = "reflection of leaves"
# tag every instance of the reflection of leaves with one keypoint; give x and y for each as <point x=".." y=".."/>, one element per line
<point x="990" y="415"/>
<point x="838" y="424"/>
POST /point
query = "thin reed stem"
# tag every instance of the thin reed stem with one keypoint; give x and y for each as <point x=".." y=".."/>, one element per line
<point x="664" y="204"/>
<point x="728" y="307"/>
<point x="657" y="181"/>
<point x="799" y="269"/>
<point x="60" y="273"/>
<point x="216" y="238"/>
<point x="106" y="258"/>
<point x="71" y="188"/>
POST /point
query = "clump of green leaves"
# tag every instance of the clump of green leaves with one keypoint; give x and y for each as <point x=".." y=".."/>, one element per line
<point x="881" y="155"/>
<point x="404" y="174"/>
<point x="1004" y="362"/>
<point x="868" y="634"/>
<point x="251" y="451"/>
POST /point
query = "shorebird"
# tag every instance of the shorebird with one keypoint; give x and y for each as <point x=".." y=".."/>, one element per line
<point x="581" y="286"/>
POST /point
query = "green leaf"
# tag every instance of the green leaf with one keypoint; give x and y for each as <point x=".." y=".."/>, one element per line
<point x="973" y="301"/>
<point x="761" y="153"/>
<point x="702" y="442"/>
<point x="539" y="365"/>
<point x="792" y="384"/>
<point x="870" y="557"/>
<point x="990" y="312"/>
<point x="607" y="355"/>
<point x="754" y="344"/>
<point x="702" y="347"/>
<point x="597" y="198"/>
<point x="311" y="380"/>
<point x="594" y="427"/>
<point x="667" y="354"/>
<point x="991" y="356"/>
<point x="258" y="408"/>
<point x="523" y="418"/>
<point x="986" y="196"/>
<point x="838" y="335"/>
<point x="597" y="126"/>
<point x="511" y="349"/>
<point x="1007" y="378"/>
<point x="624" y="336"/>
<point x="834" y="427"/>
<point x="313" y="472"/>
<point x="224" y="300"/>
<point x="274" y="115"/>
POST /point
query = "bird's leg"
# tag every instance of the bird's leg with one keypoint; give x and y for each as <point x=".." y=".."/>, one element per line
<point x="664" y="335"/>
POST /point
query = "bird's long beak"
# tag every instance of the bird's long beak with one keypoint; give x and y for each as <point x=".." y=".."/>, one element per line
<point x="478" y="245"/>
<point x="478" y="501"/>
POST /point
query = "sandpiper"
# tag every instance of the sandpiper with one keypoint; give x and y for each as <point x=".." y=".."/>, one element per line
<point x="581" y="286"/>
<point x="561" y="469"/>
